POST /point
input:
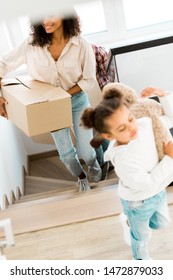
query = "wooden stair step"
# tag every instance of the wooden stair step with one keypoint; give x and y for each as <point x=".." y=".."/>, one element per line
<point x="61" y="185"/>
<point x="97" y="203"/>
<point x="61" y="212"/>
<point x="65" y="194"/>
<point x="41" y="195"/>
<point x="36" y="184"/>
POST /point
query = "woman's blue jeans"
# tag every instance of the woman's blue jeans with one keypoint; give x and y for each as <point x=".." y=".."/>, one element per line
<point x="100" y="152"/>
<point x="70" y="155"/>
<point x="143" y="216"/>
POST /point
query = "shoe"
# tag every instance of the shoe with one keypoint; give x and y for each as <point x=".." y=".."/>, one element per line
<point x="83" y="185"/>
<point x="104" y="168"/>
<point x="111" y="167"/>
<point x="143" y="259"/>
<point x="94" y="172"/>
<point x="126" y="229"/>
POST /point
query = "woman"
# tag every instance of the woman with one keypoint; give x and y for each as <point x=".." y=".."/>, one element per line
<point x="55" y="53"/>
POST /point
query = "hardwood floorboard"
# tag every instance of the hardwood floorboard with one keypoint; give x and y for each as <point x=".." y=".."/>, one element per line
<point x="99" y="239"/>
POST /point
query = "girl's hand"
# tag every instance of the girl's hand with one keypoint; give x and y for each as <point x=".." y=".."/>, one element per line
<point x="152" y="91"/>
<point x="168" y="149"/>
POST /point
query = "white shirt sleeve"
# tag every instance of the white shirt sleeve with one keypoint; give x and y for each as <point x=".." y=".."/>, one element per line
<point x="13" y="59"/>
<point x="88" y="78"/>
<point x="167" y="104"/>
<point x="137" y="166"/>
<point x="138" y="178"/>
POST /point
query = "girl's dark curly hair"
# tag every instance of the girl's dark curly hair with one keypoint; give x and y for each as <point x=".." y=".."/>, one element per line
<point x="96" y="118"/>
<point x="71" y="27"/>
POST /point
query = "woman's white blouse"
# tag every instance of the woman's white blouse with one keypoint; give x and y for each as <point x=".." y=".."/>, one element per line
<point x="76" y="65"/>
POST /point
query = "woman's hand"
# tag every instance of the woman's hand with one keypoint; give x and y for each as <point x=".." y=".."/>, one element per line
<point x="152" y="91"/>
<point x="3" y="112"/>
<point x="168" y="149"/>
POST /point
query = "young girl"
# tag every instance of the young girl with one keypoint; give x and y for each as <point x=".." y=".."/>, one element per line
<point x="142" y="178"/>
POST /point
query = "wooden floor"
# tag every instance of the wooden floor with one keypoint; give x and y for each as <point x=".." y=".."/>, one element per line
<point x="99" y="239"/>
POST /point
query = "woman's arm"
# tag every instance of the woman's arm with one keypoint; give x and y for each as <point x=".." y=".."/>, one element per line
<point x="12" y="60"/>
<point x="3" y="112"/>
<point x="8" y="63"/>
<point x="74" y="90"/>
<point x="88" y="65"/>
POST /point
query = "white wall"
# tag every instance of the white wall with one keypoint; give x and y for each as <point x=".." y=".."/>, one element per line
<point x="12" y="157"/>
<point x="38" y="145"/>
<point x="15" y="146"/>
<point x="142" y="68"/>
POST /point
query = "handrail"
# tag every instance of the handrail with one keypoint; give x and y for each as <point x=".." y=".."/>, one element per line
<point x="130" y="47"/>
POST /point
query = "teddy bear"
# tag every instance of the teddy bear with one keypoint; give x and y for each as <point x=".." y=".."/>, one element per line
<point x="140" y="107"/>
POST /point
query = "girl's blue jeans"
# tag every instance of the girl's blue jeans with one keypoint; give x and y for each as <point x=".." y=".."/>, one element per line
<point x="70" y="155"/>
<point x="143" y="216"/>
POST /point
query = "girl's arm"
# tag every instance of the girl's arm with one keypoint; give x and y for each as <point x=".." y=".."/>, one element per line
<point x="137" y="178"/>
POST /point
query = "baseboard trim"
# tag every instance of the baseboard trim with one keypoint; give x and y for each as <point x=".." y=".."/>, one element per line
<point x="12" y="198"/>
<point x="23" y="190"/>
<point x="5" y="203"/>
<point x="18" y="193"/>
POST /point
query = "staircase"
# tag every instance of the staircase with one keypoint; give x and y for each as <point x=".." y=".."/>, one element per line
<point x="51" y="202"/>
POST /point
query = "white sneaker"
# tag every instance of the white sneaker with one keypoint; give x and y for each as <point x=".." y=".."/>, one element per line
<point x="95" y="172"/>
<point x="83" y="185"/>
<point x="150" y="259"/>
<point x="126" y="228"/>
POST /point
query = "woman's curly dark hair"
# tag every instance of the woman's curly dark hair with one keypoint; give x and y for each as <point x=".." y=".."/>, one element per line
<point x="71" y="27"/>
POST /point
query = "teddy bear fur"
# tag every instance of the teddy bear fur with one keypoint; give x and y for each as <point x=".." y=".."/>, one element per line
<point x="140" y="107"/>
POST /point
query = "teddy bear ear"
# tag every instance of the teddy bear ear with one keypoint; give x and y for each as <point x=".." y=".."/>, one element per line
<point x="128" y="93"/>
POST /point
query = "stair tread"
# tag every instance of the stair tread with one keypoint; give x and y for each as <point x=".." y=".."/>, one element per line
<point x="38" y="178"/>
<point x="59" y="188"/>
<point x="35" y="184"/>
<point x="66" y="194"/>
<point x="57" y="213"/>
<point x="80" y="208"/>
<point x="43" y="194"/>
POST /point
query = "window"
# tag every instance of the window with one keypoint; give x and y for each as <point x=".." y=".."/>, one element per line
<point x="24" y="25"/>
<point x="4" y="38"/>
<point x="92" y="16"/>
<point x="147" y="12"/>
<point x="106" y="22"/>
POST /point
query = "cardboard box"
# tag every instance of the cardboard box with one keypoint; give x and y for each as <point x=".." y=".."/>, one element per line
<point x="95" y="96"/>
<point x="36" y="107"/>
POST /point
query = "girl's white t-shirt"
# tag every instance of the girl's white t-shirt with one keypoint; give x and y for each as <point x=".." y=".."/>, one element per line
<point x="140" y="173"/>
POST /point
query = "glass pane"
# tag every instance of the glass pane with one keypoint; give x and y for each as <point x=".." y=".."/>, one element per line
<point x="92" y="16"/>
<point x="141" y="13"/>
<point x="24" y="25"/>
